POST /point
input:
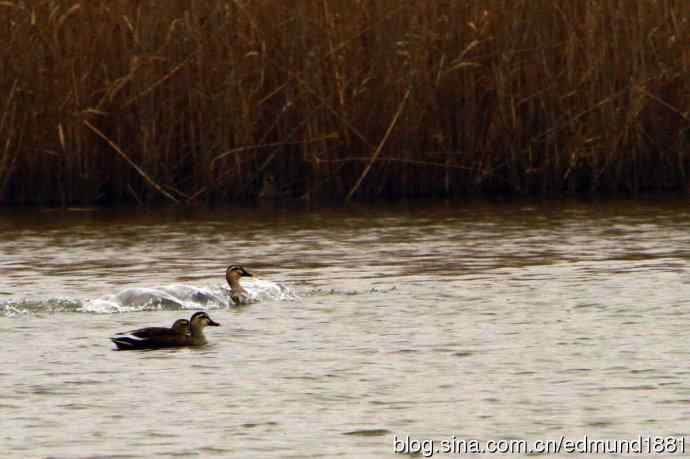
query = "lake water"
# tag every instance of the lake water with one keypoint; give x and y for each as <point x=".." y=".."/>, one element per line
<point x="464" y="320"/>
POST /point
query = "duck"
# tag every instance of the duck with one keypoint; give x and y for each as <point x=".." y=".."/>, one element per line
<point x="238" y="294"/>
<point x="182" y="333"/>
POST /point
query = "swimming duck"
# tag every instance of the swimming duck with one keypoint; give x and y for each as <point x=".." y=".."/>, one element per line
<point x="183" y="333"/>
<point x="238" y="295"/>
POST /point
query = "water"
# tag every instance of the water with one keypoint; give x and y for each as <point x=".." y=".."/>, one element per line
<point x="475" y="320"/>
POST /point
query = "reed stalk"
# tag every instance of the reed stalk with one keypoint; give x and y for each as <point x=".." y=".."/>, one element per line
<point x="182" y="101"/>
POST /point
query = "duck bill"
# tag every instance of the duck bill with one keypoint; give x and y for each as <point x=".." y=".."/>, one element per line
<point x="212" y="323"/>
<point x="247" y="273"/>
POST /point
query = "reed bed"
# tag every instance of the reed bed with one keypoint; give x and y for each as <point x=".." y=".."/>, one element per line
<point x="222" y="100"/>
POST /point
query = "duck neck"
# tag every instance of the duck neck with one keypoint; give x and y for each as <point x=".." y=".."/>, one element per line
<point x="234" y="282"/>
<point x="197" y="332"/>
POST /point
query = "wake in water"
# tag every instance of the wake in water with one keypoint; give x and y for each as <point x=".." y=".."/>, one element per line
<point x="168" y="297"/>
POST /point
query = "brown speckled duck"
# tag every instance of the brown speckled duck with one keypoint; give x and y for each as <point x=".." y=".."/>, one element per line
<point x="238" y="295"/>
<point x="183" y="333"/>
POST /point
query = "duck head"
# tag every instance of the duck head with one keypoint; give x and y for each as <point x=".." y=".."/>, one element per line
<point x="234" y="272"/>
<point x="200" y="320"/>
<point x="181" y="326"/>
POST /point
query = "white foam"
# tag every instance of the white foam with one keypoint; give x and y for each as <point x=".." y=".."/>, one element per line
<point x="166" y="297"/>
<point x="264" y="290"/>
<point x="182" y="296"/>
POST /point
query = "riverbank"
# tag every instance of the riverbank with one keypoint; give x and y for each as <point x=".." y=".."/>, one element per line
<point x="124" y="102"/>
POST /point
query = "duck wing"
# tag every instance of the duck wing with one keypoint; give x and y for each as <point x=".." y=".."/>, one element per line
<point x="150" y="332"/>
<point x="149" y="338"/>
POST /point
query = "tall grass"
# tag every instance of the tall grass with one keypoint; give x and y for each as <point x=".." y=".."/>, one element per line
<point x="204" y="101"/>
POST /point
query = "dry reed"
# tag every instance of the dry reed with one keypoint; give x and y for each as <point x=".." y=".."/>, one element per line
<point x="183" y="101"/>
